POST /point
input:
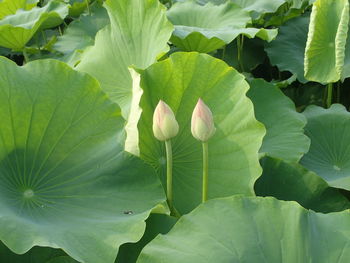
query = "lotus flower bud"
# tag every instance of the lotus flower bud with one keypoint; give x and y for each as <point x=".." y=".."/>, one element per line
<point x="202" y="124"/>
<point x="165" y="125"/>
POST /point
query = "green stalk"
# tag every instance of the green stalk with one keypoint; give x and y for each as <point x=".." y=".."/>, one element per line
<point x="223" y="53"/>
<point x="240" y="43"/>
<point x="205" y="172"/>
<point x="329" y="94"/>
<point x="88" y="6"/>
<point x="169" y="174"/>
<point x="25" y="55"/>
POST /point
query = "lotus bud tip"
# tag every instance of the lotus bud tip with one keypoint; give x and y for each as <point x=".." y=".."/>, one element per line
<point x="202" y="124"/>
<point x="165" y="125"/>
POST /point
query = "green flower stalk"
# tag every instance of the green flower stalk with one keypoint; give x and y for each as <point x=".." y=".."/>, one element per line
<point x="202" y="128"/>
<point x="166" y="127"/>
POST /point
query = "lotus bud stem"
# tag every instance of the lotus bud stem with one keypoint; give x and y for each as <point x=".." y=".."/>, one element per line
<point x="202" y="128"/>
<point x="166" y="127"/>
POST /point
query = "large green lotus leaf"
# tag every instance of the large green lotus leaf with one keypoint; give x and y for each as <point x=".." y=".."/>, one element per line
<point x="35" y="255"/>
<point x="325" y="47"/>
<point x="138" y="33"/>
<point x="16" y="30"/>
<point x="80" y="34"/>
<point x="233" y="151"/>
<point x="285" y="137"/>
<point x="291" y="181"/>
<point x="329" y="155"/>
<point x="10" y="7"/>
<point x="253" y="229"/>
<point x="65" y="181"/>
<point x="206" y="28"/>
<point x="287" y="51"/>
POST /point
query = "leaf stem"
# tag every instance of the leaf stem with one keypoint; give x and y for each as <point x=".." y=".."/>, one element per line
<point x="169" y="174"/>
<point x="205" y="172"/>
<point x="329" y="94"/>
<point x="25" y="55"/>
<point x="223" y="53"/>
<point x="88" y="6"/>
<point x="240" y="43"/>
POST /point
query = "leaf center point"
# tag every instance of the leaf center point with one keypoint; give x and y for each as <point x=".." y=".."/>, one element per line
<point x="29" y="193"/>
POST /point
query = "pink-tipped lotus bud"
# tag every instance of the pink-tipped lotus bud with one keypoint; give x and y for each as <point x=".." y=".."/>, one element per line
<point x="165" y="125"/>
<point x="202" y="124"/>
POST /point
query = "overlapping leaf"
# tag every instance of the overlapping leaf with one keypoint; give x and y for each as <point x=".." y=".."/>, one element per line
<point x="16" y="30"/>
<point x="36" y="254"/>
<point x="243" y="229"/>
<point x="10" y="7"/>
<point x="285" y="137"/>
<point x="233" y="151"/>
<point x="138" y="33"/>
<point x="155" y="224"/>
<point x="291" y="181"/>
<point x="80" y="34"/>
<point x="258" y="7"/>
<point x="329" y="155"/>
<point x="287" y="51"/>
<point x="205" y="28"/>
<point x="65" y="181"/>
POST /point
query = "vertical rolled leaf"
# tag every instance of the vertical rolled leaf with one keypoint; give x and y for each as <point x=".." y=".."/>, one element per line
<point x="325" y="46"/>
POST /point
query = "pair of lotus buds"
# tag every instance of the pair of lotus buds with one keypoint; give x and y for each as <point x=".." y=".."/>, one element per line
<point x="166" y="127"/>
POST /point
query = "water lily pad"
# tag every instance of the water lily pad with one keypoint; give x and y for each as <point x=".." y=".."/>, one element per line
<point x="285" y="137"/>
<point x="329" y="155"/>
<point x="325" y="47"/>
<point x="65" y="181"/>
<point x="233" y="151"/>
<point x="292" y="182"/>
<point x="138" y="33"/>
<point x="252" y="229"/>
<point x="16" y="30"/>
